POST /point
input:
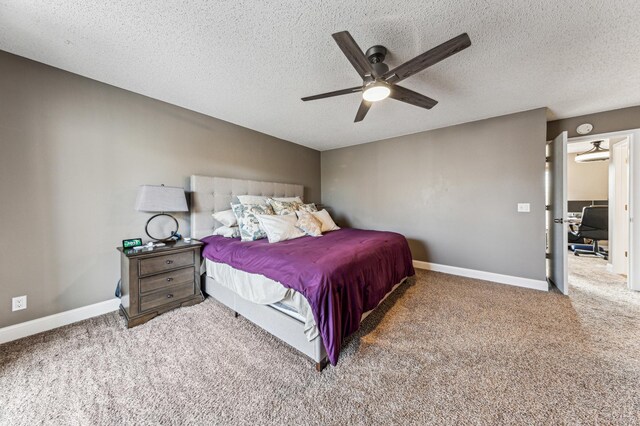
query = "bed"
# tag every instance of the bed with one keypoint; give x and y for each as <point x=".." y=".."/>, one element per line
<point x="309" y="292"/>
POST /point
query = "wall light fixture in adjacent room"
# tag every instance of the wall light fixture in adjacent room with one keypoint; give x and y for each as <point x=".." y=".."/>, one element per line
<point x="594" y="154"/>
<point x="161" y="199"/>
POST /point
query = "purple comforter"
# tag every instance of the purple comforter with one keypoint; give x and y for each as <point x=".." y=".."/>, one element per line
<point x="342" y="274"/>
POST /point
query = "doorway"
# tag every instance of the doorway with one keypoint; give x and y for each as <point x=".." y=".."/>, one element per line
<point x="597" y="209"/>
<point x="590" y="200"/>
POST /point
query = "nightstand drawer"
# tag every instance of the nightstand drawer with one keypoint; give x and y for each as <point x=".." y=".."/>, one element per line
<point x="157" y="264"/>
<point x="156" y="282"/>
<point x="167" y="295"/>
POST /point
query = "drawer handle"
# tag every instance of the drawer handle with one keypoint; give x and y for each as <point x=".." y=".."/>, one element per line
<point x="169" y="262"/>
<point x="169" y="296"/>
<point x="169" y="279"/>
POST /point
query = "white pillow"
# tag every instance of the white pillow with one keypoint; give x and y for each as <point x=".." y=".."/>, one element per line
<point x="289" y="199"/>
<point x="227" y="231"/>
<point x="252" y="199"/>
<point x="280" y="228"/>
<point x="327" y="223"/>
<point x="226" y="217"/>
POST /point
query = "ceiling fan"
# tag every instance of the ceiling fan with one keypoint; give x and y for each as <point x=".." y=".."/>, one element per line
<point x="378" y="82"/>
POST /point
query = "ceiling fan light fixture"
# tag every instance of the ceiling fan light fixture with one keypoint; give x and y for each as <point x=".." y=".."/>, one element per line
<point x="376" y="92"/>
<point x="378" y="79"/>
<point x="594" y="154"/>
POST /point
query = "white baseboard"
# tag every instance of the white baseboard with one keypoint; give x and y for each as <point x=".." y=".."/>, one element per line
<point x="28" y="328"/>
<point x="482" y="275"/>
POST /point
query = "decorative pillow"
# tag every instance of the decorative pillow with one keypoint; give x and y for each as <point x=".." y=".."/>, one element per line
<point x="250" y="229"/>
<point x="310" y="208"/>
<point x="226" y="217"/>
<point x="284" y="207"/>
<point x="309" y="224"/>
<point x="252" y="199"/>
<point x="327" y="223"/>
<point x="227" y="231"/>
<point x="289" y="199"/>
<point x="280" y="228"/>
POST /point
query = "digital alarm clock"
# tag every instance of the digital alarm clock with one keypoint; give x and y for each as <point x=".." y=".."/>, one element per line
<point x="131" y="243"/>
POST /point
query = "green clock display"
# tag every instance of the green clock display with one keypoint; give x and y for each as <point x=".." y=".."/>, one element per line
<point x="130" y="243"/>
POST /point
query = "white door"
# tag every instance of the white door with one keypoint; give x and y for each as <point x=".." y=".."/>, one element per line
<point x="558" y="229"/>
<point x="619" y="244"/>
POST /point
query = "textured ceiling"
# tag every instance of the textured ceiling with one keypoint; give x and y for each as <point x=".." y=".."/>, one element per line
<point x="249" y="62"/>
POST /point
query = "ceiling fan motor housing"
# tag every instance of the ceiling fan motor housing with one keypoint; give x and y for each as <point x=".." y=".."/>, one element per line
<point x="376" y="55"/>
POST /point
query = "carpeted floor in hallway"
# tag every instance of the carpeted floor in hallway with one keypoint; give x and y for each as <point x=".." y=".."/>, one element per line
<point x="442" y="350"/>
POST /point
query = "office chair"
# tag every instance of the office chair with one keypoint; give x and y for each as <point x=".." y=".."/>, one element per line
<point x="594" y="226"/>
<point x="574" y="237"/>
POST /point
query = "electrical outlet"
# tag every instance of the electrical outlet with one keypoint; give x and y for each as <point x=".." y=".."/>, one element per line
<point x="524" y="207"/>
<point x="19" y="303"/>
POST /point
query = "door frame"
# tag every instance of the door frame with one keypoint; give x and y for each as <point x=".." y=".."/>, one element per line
<point x="634" y="197"/>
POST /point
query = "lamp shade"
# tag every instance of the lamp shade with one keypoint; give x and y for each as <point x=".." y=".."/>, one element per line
<point x="160" y="198"/>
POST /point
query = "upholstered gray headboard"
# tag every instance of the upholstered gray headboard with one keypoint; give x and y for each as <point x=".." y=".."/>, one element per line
<point x="212" y="194"/>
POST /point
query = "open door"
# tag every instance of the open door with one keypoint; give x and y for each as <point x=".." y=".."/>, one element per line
<point x="619" y="208"/>
<point x="558" y="229"/>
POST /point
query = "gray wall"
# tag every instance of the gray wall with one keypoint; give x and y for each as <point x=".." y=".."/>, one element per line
<point x="453" y="192"/>
<point x="73" y="154"/>
<point x="603" y="122"/>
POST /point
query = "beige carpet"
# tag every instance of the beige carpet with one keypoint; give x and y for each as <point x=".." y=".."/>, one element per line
<point x="443" y="350"/>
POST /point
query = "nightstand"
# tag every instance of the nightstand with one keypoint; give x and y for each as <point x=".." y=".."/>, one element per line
<point x="157" y="280"/>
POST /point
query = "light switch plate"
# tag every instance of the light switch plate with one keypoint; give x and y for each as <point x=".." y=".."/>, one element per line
<point x="524" y="207"/>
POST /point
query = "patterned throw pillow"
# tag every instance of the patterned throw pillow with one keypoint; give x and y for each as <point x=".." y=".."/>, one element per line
<point x="283" y="207"/>
<point x="310" y="208"/>
<point x="309" y="224"/>
<point x="250" y="229"/>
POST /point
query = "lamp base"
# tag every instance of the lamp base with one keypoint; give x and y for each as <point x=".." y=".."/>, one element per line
<point x="166" y="239"/>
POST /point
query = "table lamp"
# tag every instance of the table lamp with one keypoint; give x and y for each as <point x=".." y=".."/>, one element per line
<point x="161" y="199"/>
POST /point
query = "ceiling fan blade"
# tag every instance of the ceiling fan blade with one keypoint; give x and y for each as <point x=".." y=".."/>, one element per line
<point x="334" y="93"/>
<point x="362" y="111"/>
<point x="428" y="58"/>
<point x="354" y="54"/>
<point x="402" y="94"/>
